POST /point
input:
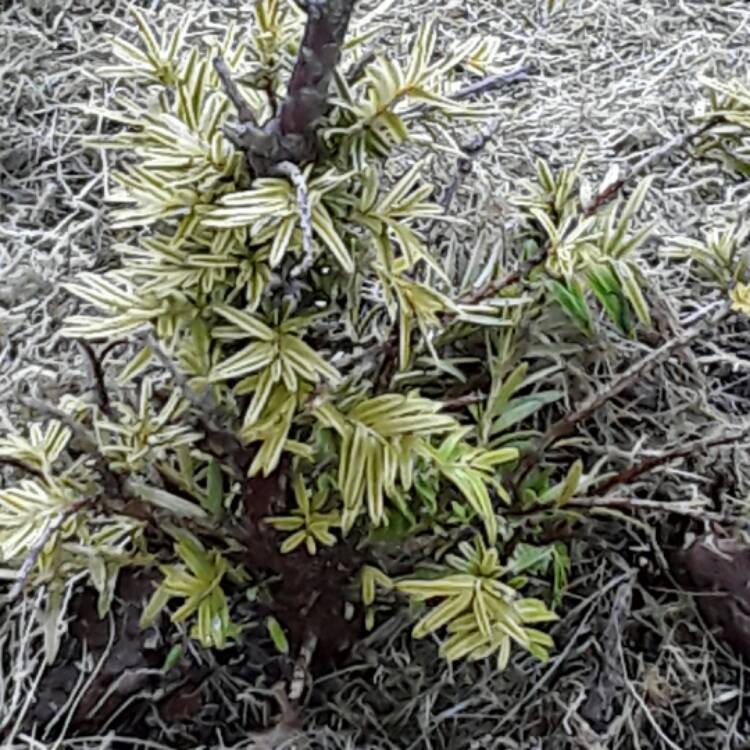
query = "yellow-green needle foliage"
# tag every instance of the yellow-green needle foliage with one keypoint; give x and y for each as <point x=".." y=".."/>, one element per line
<point x="482" y="614"/>
<point x="307" y="524"/>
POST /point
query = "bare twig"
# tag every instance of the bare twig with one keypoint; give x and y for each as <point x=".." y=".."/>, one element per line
<point x="20" y="465"/>
<point x="595" y="401"/>
<point x="36" y="549"/>
<point x="652" y="462"/>
<point x="209" y="418"/>
<point x="676" y="143"/>
<point x="494" y="82"/>
<point x="486" y="84"/>
<point x="244" y="113"/>
<point x="319" y="51"/>
<point x="688" y="508"/>
<point x="491" y="288"/>
<point x="359" y="67"/>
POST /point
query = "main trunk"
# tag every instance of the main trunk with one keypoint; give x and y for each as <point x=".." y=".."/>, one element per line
<point x="307" y="96"/>
<point x="291" y="135"/>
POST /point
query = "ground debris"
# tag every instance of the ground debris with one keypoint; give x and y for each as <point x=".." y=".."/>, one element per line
<point x="120" y="661"/>
<point x="717" y="572"/>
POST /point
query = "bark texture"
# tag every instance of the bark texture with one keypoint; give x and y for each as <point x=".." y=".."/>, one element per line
<point x="291" y="136"/>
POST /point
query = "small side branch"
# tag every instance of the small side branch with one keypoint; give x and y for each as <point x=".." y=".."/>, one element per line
<point x="595" y="401"/>
<point x="473" y="89"/>
<point x="632" y="473"/>
<point x="491" y="288"/>
<point x="244" y="113"/>
<point x="358" y="68"/>
<point x="35" y="551"/>
<point x="681" y="141"/>
<point x="21" y="466"/>
<point x="675" y="144"/>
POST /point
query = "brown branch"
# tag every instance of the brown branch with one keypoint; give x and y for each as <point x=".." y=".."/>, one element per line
<point x="676" y="143"/>
<point x="629" y="475"/>
<point x="97" y="373"/>
<point x="320" y="48"/>
<point x="290" y="136"/>
<point x="595" y="401"/>
<point x="491" y="288"/>
<point x="680" y="141"/>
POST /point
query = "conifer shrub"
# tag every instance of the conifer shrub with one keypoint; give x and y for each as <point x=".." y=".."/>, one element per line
<point x="289" y="378"/>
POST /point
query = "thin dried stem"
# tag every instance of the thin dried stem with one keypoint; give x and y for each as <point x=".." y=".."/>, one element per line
<point x="675" y="144"/>
<point x="632" y="473"/>
<point x="627" y="379"/>
<point x="32" y="556"/>
<point x="689" y="509"/>
<point x="97" y="375"/>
